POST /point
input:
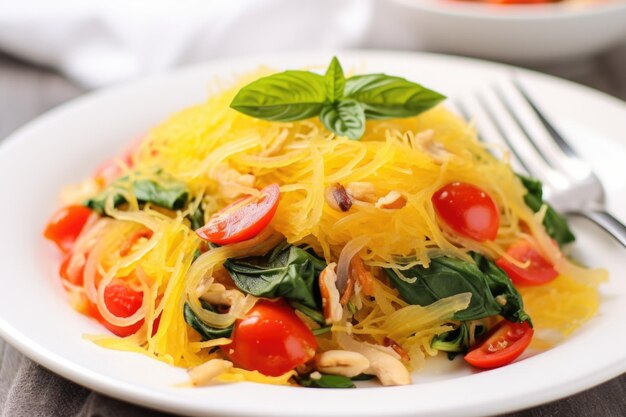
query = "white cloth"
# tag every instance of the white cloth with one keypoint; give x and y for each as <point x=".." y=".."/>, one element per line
<point x="100" y="42"/>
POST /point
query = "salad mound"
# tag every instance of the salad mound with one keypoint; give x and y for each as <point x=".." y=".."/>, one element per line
<point x="314" y="230"/>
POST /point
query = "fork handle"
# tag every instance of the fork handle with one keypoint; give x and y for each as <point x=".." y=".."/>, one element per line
<point x="607" y="222"/>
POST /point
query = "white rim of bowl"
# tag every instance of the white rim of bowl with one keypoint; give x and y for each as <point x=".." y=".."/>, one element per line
<point x="551" y="11"/>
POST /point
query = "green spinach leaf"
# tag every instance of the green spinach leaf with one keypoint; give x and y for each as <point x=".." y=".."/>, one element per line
<point x="288" y="272"/>
<point x="458" y="340"/>
<point x="169" y="194"/>
<point x="491" y="289"/>
<point x="555" y="224"/>
<point x="363" y="377"/>
<point x="321" y="330"/>
<point x="501" y="286"/>
<point x="325" y="381"/>
<point x="196" y="219"/>
<point x="207" y="332"/>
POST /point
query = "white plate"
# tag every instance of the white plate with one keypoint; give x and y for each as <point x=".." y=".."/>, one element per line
<point x="515" y="33"/>
<point x="64" y="146"/>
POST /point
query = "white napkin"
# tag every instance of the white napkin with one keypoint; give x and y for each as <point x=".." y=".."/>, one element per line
<point x="100" y="42"/>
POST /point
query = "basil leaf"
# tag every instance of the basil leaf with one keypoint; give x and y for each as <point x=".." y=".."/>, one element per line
<point x="166" y="193"/>
<point x="385" y="97"/>
<point x="555" y="224"/>
<point x="335" y="80"/>
<point x="288" y="272"/>
<point x="325" y="381"/>
<point x="207" y="332"/>
<point x="282" y="97"/>
<point x="344" y="118"/>
<point x="447" y="276"/>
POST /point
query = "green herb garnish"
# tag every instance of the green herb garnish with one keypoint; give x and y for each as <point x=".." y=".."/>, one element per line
<point x="325" y="381"/>
<point x="207" y="332"/>
<point x="342" y="104"/>
<point x="555" y="224"/>
<point x="166" y="193"/>
<point x="288" y="272"/>
<point x="491" y="289"/>
<point x="458" y="340"/>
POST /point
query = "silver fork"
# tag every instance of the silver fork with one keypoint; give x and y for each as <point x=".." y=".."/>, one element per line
<point x="505" y="115"/>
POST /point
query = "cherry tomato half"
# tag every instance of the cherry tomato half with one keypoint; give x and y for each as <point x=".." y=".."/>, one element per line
<point x="539" y="270"/>
<point x="72" y="268"/>
<point x="467" y="210"/>
<point x="65" y="226"/>
<point x="242" y="220"/>
<point x="505" y="343"/>
<point x="122" y="301"/>
<point x="271" y="339"/>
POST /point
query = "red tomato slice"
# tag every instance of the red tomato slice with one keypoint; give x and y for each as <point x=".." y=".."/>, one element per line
<point x="73" y="268"/>
<point x="122" y="301"/>
<point x="65" y="226"/>
<point x="271" y="339"/>
<point x="505" y="343"/>
<point x="467" y="210"/>
<point x="242" y="220"/>
<point x="539" y="270"/>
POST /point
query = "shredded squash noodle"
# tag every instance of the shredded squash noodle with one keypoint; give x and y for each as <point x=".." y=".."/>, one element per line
<point x="390" y="175"/>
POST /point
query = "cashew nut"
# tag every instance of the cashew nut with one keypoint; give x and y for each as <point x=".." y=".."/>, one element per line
<point x="231" y="182"/>
<point x="217" y="294"/>
<point x="330" y="294"/>
<point x="341" y="362"/>
<point x="436" y="150"/>
<point x="362" y="191"/>
<point x="208" y="371"/>
<point x="393" y="200"/>
<point x="388" y="369"/>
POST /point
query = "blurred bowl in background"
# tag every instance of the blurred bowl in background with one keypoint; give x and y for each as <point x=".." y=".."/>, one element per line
<point x="540" y="33"/>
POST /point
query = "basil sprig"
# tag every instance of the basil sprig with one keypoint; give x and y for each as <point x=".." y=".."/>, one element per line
<point x="342" y="104"/>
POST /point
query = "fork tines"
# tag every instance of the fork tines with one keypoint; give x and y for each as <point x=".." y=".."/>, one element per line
<point x="506" y="116"/>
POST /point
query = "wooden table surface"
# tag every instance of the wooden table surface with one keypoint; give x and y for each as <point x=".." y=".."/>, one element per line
<point x="26" y="91"/>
